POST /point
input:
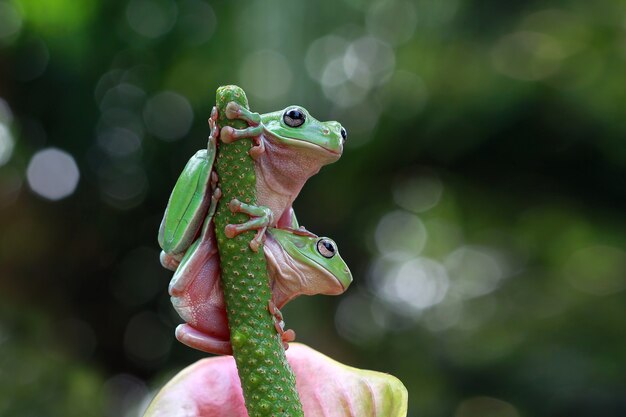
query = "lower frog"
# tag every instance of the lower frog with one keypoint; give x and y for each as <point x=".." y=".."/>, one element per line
<point x="298" y="261"/>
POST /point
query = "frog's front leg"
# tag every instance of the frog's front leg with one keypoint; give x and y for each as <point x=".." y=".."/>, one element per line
<point x="254" y="131"/>
<point x="261" y="218"/>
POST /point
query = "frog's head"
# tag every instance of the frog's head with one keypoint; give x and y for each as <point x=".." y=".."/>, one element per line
<point x="314" y="265"/>
<point x="294" y="126"/>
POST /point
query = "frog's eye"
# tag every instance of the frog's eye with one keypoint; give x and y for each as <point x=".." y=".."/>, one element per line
<point x="326" y="248"/>
<point x="344" y="134"/>
<point x="294" y="117"/>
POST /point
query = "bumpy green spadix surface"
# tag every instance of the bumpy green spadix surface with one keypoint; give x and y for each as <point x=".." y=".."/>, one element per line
<point x="268" y="383"/>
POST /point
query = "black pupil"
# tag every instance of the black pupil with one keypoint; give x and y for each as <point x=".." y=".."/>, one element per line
<point x="344" y="134"/>
<point x="329" y="247"/>
<point x="293" y="118"/>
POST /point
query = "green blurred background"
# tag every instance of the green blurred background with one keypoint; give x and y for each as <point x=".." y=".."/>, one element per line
<point x="479" y="202"/>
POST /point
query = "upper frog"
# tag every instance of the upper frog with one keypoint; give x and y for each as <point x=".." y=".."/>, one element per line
<point x="289" y="146"/>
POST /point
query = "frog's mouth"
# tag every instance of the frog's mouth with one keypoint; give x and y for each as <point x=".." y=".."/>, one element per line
<point x="301" y="143"/>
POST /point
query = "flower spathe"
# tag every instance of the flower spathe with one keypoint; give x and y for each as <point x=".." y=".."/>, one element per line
<point x="327" y="388"/>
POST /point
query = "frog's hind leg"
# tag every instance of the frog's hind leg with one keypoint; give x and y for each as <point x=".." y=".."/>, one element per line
<point x="286" y="336"/>
<point x="198" y="340"/>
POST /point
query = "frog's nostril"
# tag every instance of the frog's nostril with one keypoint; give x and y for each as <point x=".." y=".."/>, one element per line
<point x="344" y="134"/>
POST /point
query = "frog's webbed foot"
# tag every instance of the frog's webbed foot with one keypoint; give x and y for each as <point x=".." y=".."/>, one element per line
<point x="261" y="218"/>
<point x="279" y="324"/>
<point x="198" y="340"/>
<point x="229" y="134"/>
<point x="169" y="261"/>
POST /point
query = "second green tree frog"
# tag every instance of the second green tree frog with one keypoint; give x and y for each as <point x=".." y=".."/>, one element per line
<point x="298" y="263"/>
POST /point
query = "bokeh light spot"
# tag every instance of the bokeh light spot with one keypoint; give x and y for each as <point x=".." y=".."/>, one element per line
<point x="418" y="193"/>
<point x="321" y="52"/>
<point x="334" y="73"/>
<point x="598" y="270"/>
<point x="369" y="61"/>
<point x="6" y="115"/>
<point x="266" y="74"/>
<point x="53" y="174"/>
<point x="473" y="271"/>
<point x="123" y="95"/>
<point x="119" y="142"/>
<point x="414" y="285"/>
<point x="527" y="56"/>
<point x="117" y="118"/>
<point x="151" y="18"/>
<point x="168" y="115"/>
<point x="400" y="235"/>
<point x="348" y="78"/>
<point x="394" y="20"/>
<point x="10" y="20"/>
<point x="7" y="144"/>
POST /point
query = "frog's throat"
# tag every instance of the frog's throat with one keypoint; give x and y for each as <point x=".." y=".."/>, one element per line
<point x="283" y="170"/>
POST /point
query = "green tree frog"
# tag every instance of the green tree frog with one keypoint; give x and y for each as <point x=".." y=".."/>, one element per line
<point x="289" y="147"/>
<point x="298" y="263"/>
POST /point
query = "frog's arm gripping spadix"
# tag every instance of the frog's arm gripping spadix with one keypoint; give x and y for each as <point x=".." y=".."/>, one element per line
<point x="189" y="203"/>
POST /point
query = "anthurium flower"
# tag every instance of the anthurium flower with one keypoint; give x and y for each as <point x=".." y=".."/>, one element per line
<point x="327" y="388"/>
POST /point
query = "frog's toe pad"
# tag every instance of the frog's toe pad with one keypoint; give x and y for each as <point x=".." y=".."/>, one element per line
<point x="233" y="110"/>
<point x="227" y="134"/>
<point x="234" y="205"/>
<point x="231" y="231"/>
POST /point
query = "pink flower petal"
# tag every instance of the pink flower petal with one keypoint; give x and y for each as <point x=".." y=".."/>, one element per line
<point x="327" y="388"/>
